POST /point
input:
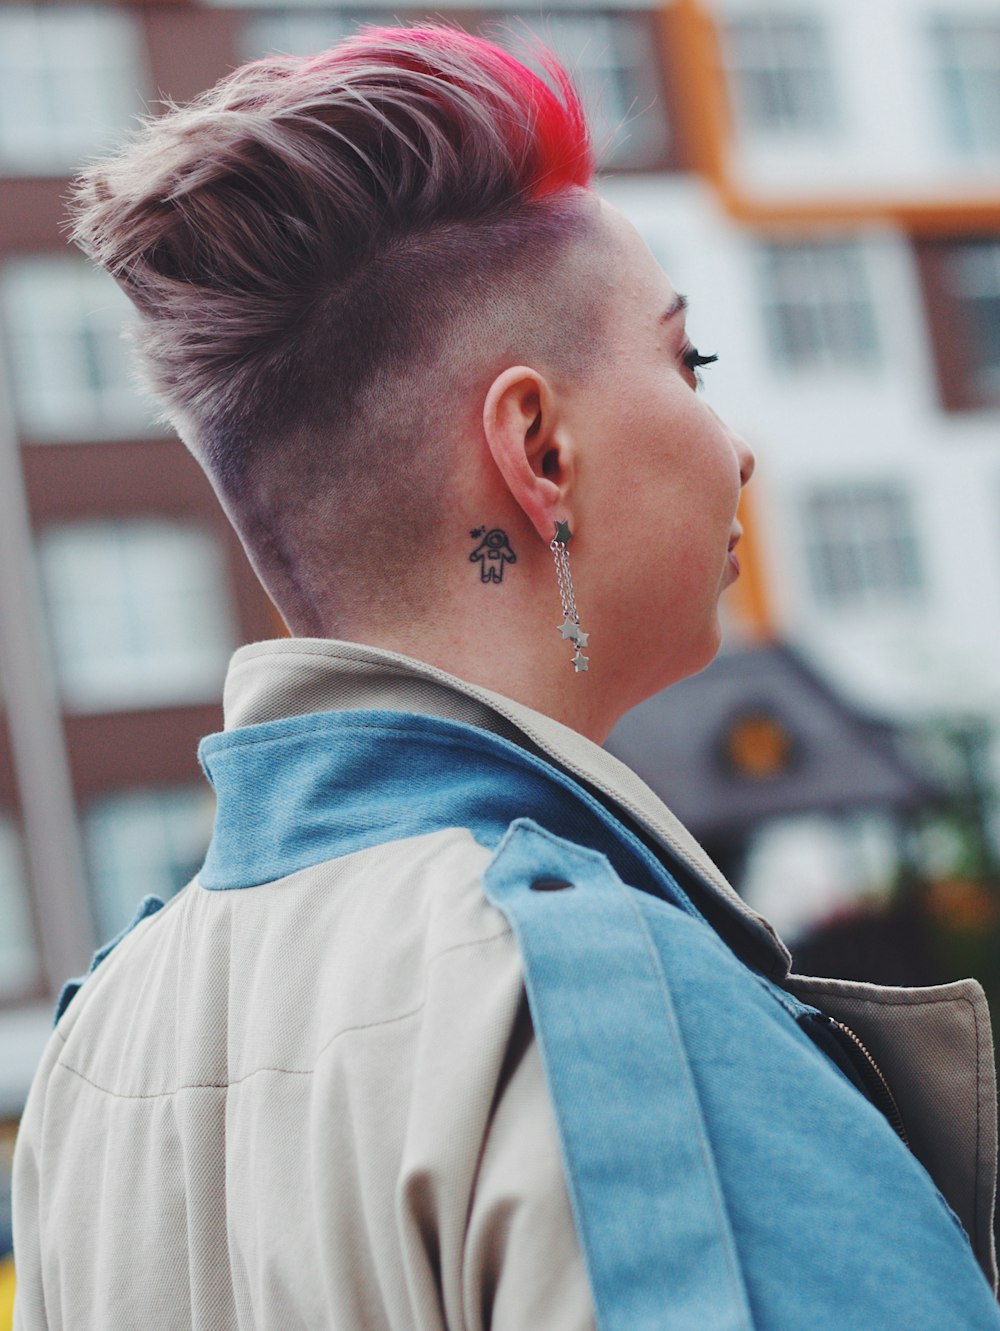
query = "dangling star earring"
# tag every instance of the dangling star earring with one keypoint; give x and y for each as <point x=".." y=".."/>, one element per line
<point x="570" y="627"/>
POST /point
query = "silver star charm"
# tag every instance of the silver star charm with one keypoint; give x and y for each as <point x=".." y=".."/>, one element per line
<point x="568" y="629"/>
<point x="582" y="638"/>
<point x="580" y="662"/>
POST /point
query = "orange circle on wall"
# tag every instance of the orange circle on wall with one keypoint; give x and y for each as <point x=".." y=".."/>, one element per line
<point x="759" y="746"/>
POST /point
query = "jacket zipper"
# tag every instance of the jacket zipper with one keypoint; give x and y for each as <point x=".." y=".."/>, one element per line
<point x="873" y="1077"/>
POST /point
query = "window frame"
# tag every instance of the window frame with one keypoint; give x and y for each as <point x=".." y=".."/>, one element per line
<point x="961" y="385"/>
<point x="839" y="304"/>
<point x="737" y="32"/>
<point x="846" y="535"/>
<point x="953" y="39"/>
<point x="51" y="52"/>
<point x="137" y="677"/>
<point x="65" y="327"/>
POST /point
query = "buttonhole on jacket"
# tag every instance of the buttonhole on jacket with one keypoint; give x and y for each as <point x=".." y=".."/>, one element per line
<point x="549" y="885"/>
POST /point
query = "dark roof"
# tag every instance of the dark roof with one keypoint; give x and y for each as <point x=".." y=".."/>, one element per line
<point x="760" y="735"/>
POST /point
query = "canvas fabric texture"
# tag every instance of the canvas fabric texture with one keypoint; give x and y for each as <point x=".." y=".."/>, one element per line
<point x="392" y="1086"/>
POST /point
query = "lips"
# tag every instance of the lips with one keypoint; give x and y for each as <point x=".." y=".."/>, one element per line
<point x="734" y="563"/>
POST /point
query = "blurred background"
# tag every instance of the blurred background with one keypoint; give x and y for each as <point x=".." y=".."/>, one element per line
<point x="823" y="181"/>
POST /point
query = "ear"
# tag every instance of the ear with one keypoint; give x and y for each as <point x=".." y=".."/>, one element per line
<point x="530" y="446"/>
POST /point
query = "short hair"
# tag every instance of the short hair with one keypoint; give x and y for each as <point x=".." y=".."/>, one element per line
<point x="308" y="235"/>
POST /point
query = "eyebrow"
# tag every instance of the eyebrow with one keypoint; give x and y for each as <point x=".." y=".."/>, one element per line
<point x="678" y="304"/>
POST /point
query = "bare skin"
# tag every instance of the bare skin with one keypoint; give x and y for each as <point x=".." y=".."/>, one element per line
<point x="648" y="478"/>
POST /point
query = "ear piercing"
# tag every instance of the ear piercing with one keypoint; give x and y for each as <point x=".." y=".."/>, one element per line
<point x="570" y="627"/>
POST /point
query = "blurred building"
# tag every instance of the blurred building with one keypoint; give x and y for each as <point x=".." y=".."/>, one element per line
<point x="820" y="178"/>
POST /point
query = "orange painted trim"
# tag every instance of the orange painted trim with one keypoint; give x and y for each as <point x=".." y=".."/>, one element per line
<point x="694" y="64"/>
<point x="748" y="599"/>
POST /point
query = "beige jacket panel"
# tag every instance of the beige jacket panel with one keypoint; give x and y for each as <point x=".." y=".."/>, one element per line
<point x="313" y="1103"/>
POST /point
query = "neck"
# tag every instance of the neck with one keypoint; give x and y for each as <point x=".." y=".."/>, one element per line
<point x="510" y="650"/>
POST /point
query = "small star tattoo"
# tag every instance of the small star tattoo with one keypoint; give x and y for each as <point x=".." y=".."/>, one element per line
<point x="580" y="662"/>
<point x="563" y="533"/>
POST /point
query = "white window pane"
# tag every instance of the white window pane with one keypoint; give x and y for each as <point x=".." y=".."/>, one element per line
<point x="861" y="545"/>
<point x="967" y="52"/>
<point x="138" y="611"/>
<point x="817" y="306"/>
<point x="70" y="83"/>
<point x="65" y="326"/>
<point x="780" y="73"/>
<point x="19" y="960"/>
<point x="141" y="842"/>
<point x="973" y="274"/>
<point x="303" y="33"/>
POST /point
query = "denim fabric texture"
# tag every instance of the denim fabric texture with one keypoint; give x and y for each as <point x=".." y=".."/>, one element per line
<point x="724" y="1173"/>
<point x="300" y="791"/>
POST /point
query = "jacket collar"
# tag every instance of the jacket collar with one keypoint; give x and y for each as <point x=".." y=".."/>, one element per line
<point x="270" y="681"/>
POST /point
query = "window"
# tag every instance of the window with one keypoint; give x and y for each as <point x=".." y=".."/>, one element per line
<point x="974" y="273"/>
<point x="303" y="33"/>
<point x="968" y="59"/>
<point x="141" y="842"/>
<point x="69" y="358"/>
<point x="817" y="307"/>
<point x="138" y="612"/>
<point x="612" y="61"/>
<point x="19" y="961"/>
<point x="69" y="79"/>
<point x="861" y="545"/>
<point x="961" y="282"/>
<point x="780" y="74"/>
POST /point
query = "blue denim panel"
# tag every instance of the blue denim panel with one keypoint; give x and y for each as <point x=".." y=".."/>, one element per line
<point x="648" y="1206"/>
<point x="699" y="1121"/>
<point x="308" y="789"/>
<point x="149" y="905"/>
<point x="837" y="1223"/>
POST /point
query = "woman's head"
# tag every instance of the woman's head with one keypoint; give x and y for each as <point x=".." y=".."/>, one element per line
<point x="324" y="252"/>
<point x="383" y="305"/>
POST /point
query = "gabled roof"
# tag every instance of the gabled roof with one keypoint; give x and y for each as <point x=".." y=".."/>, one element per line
<point x="760" y="735"/>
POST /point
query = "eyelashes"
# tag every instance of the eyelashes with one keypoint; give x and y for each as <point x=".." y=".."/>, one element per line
<point x="694" y="360"/>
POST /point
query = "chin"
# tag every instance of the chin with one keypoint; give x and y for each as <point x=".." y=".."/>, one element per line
<point x="674" y="669"/>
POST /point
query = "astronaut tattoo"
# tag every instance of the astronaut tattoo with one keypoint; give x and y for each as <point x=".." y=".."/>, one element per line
<point x="492" y="553"/>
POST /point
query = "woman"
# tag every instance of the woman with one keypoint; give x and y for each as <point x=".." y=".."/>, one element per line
<point x="457" y="1027"/>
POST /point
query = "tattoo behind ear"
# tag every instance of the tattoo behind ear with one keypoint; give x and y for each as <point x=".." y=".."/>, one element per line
<point x="492" y="552"/>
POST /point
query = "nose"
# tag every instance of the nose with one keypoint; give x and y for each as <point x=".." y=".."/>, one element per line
<point x="746" y="458"/>
<point x="744" y="453"/>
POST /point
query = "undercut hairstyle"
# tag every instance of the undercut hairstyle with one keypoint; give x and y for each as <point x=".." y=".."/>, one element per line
<point x="326" y="255"/>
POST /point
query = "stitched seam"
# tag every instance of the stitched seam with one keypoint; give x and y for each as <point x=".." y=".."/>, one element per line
<point x="240" y="740"/>
<point x="305" y="1072"/>
<point x="888" y="1000"/>
<point x="976" y="1184"/>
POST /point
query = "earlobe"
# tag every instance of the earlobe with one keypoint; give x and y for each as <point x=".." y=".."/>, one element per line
<point x="522" y="431"/>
